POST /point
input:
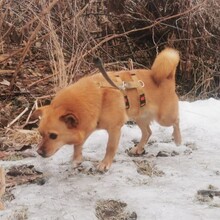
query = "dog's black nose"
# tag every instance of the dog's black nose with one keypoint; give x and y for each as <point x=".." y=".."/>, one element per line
<point x="41" y="152"/>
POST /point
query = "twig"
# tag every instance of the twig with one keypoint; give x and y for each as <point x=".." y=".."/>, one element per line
<point x="24" y="55"/>
<point x="11" y="55"/>
<point x="159" y="21"/>
<point x="60" y="27"/>
<point x="32" y="109"/>
<point x="210" y="193"/>
<point x="40" y="80"/>
<point x="30" y="41"/>
<point x="2" y="181"/>
<point x="6" y="71"/>
<point x="42" y="14"/>
<point x="2" y="186"/>
<point x="18" y="117"/>
<point x="45" y="97"/>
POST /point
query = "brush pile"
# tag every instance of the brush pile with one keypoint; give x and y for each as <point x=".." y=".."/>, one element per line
<point x="46" y="45"/>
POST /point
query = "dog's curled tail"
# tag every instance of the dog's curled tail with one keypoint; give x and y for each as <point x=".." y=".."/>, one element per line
<point x="164" y="66"/>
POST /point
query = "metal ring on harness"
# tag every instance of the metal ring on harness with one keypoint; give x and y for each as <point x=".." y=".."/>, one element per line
<point x="123" y="86"/>
<point x="99" y="85"/>
<point x="141" y="83"/>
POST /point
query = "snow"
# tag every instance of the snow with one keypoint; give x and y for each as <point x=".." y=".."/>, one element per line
<point x="70" y="194"/>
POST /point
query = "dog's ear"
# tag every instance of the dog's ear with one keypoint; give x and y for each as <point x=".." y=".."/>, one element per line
<point x="38" y="112"/>
<point x="70" y="120"/>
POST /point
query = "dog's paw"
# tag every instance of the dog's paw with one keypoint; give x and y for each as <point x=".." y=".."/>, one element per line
<point x="76" y="163"/>
<point x="104" y="166"/>
<point x="135" y="151"/>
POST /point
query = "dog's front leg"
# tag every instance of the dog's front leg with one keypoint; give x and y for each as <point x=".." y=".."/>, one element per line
<point x="77" y="156"/>
<point x="112" y="145"/>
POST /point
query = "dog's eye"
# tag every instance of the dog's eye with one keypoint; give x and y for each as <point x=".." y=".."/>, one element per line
<point x="52" y="136"/>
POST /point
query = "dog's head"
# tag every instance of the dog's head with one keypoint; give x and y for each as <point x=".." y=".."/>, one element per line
<point x="57" y="128"/>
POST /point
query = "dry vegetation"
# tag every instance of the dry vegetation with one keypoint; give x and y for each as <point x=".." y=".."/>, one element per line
<point x="46" y="45"/>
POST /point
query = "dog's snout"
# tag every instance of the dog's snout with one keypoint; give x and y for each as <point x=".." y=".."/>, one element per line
<point x="41" y="152"/>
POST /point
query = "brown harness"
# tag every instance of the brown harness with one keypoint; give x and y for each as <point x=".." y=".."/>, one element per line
<point x="122" y="85"/>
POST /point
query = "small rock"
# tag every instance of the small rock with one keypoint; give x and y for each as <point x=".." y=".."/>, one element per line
<point x="133" y="216"/>
<point x="40" y="181"/>
<point x="174" y="153"/>
<point x="191" y="145"/>
<point x="187" y="152"/>
<point x="163" y="154"/>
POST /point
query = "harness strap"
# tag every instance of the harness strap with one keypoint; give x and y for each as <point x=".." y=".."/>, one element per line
<point x="122" y="85"/>
<point x="127" y="104"/>
<point x="140" y="90"/>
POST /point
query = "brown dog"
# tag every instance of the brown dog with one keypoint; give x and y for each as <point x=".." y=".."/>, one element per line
<point x="85" y="106"/>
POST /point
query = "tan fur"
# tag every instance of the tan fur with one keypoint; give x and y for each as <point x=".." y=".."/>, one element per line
<point x="83" y="107"/>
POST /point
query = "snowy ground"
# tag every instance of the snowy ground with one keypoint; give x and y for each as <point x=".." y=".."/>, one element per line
<point x="169" y="194"/>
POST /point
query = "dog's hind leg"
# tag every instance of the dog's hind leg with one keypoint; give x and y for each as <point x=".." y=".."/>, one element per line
<point x="112" y="146"/>
<point x="176" y="133"/>
<point x="146" y="133"/>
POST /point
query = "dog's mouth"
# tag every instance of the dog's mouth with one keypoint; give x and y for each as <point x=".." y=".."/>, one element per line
<point x="44" y="154"/>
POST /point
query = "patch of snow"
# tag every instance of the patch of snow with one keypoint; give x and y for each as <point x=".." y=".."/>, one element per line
<point x="70" y="194"/>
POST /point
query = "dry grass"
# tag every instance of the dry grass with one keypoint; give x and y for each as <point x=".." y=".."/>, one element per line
<point x="66" y="34"/>
<point x="57" y="60"/>
<point x="17" y="138"/>
<point x="113" y="210"/>
<point x="146" y="168"/>
<point x="211" y="196"/>
<point x="70" y="32"/>
<point x="20" y="214"/>
<point x="2" y="186"/>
